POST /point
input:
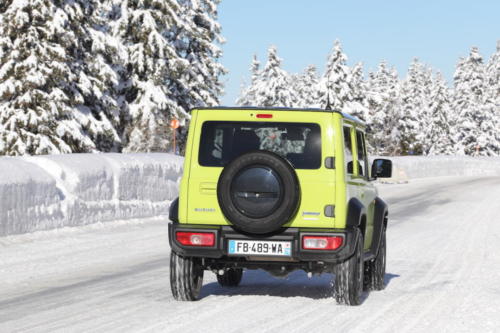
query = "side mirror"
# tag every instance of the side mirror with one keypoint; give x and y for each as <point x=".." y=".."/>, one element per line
<point x="381" y="168"/>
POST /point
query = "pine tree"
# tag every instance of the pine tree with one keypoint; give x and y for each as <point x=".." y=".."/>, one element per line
<point x="383" y="90"/>
<point x="38" y="99"/>
<point x="145" y="28"/>
<point x="358" y="106"/>
<point x="334" y="87"/>
<point x="274" y="88"/>
<point x="425" y="116"/>
<point x="493" y="93"/>
<point x="95" y="60"/>
<point x="306" y="87"/>
<point x="198" y="84"/>
<point x="476" y="132"/>
<point x="413" y="109"/>
<point x="247" y="95"/>
<point x="440" y="130"/>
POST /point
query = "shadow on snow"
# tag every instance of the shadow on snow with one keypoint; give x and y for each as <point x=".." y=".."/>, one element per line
<point x="296" y="284"/>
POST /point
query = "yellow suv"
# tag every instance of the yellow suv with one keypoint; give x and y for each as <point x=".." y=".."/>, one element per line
<point x="278" y="189"/>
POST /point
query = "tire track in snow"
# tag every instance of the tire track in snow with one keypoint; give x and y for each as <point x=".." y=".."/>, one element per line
<point x="471" y="257"/>
<point x="394" y="314"/>
<point x="424" y="284"/>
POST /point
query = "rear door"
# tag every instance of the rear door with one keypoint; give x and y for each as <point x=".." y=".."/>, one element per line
<point x="214" y="143"/>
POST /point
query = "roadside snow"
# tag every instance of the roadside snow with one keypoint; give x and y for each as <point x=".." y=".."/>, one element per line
<point x="47" y="192"/>
<point x="442" y="276"/>
<point x="444" y="166"/>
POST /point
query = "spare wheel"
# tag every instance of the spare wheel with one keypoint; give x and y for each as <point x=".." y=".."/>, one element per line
<point x="258" y="192"/>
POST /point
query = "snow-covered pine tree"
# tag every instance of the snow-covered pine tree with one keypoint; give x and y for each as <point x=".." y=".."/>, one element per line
<point x="414" y="110"/>
<point x="383" y="90"/>
<point x="440" y="131"/>
<point x="145" y="28"/>
<point x="274" y="88"/>
<point x="476" y="129"/>
<point x="493" y="75"/>
<point x="358" y="106"/>
<point x="247" y="95"/>
<point x="199" y="83"/>
<point x="334" y="87"/>
<point x="96" y="59"/>
<point x="425" y="115"/>
<point x="306" y="87"/>
<point x="37" y="97"/>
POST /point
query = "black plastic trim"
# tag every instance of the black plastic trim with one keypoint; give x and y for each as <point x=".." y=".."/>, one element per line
<point x="173" y="211"/>
<point x="379" y="224"/>
<point x="193" y="251"/>
<point x="224" y="233"/>
<point x="330" y="162"/>
<point x="355" y="210"/>
<point x="329" y="211"/>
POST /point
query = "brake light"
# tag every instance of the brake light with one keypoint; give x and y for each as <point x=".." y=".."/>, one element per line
<point x="322" y="242"/>
<point x="195" y="238"/>
<point x="264" y="115"/>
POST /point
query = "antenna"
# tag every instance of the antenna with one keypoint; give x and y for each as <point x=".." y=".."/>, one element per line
<point x="328" y="105"/>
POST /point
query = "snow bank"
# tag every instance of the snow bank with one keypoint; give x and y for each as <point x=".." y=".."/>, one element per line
<point x="439" y="166"/>
<point x="46" y="192"/>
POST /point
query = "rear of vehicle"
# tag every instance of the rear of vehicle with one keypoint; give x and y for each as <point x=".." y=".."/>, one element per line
<point x="261" y="189"/>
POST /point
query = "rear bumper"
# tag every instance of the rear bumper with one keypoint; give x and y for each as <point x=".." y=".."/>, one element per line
<point x="299" y="255"/>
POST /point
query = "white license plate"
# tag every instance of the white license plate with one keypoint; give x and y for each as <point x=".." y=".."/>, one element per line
<point x="263" y="248"/>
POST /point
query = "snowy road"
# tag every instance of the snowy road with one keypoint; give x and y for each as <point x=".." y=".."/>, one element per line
<point x="443" y="275"/>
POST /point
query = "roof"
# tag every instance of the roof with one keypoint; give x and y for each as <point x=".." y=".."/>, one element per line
<point x="344" y="115"/>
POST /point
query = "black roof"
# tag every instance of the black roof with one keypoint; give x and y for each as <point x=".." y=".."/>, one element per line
<point x="344" y="115"/>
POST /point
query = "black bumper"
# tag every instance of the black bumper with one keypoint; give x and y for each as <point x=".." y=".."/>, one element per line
<point x="224" y="233"/>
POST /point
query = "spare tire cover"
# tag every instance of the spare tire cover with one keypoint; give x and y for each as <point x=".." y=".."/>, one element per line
<point x="258" y="192"/>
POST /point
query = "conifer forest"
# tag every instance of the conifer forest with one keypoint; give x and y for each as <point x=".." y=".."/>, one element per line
<point x="108" y="76"/>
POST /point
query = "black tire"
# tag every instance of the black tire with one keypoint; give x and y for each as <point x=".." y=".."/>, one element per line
<point x="231" y="277"/>
<point x="271" y="202"/>
<point x="349" y="277"/>
<point x="375" y="269"/>
<point x="186" y="277"/>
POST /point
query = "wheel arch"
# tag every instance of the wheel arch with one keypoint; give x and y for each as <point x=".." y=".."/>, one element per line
<point x="173" y="211"/>
<point x="356" y="215"/>
<point x="380" y="218"/>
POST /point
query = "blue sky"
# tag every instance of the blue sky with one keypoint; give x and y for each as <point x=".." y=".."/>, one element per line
<point x="437" y="32"/>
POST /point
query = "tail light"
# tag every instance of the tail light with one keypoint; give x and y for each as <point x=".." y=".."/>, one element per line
<point x="195" y="238"/>
<point x="322" y="242"/>
<point x="264" y="115"/>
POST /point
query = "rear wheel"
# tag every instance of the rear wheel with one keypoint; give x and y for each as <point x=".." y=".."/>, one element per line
<point x="231" y="277"/>
<point x="349" y="277"/>
<point x="375" y="269"/>
<point x="186" y="277"/>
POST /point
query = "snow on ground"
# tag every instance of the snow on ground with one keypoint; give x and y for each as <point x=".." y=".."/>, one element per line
<point x="442" y="276"/>
<point x="443" y="166"/>
<point x="47" y="192"/>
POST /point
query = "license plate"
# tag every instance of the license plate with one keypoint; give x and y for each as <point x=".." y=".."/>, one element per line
<point x="263" y="248"/>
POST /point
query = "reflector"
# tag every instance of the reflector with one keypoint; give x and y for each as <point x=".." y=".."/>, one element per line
<point x="321" y="242"/>
<point x="195" y="238"/>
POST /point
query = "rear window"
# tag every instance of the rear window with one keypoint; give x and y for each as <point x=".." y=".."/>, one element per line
<point x="222" y="141"/>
